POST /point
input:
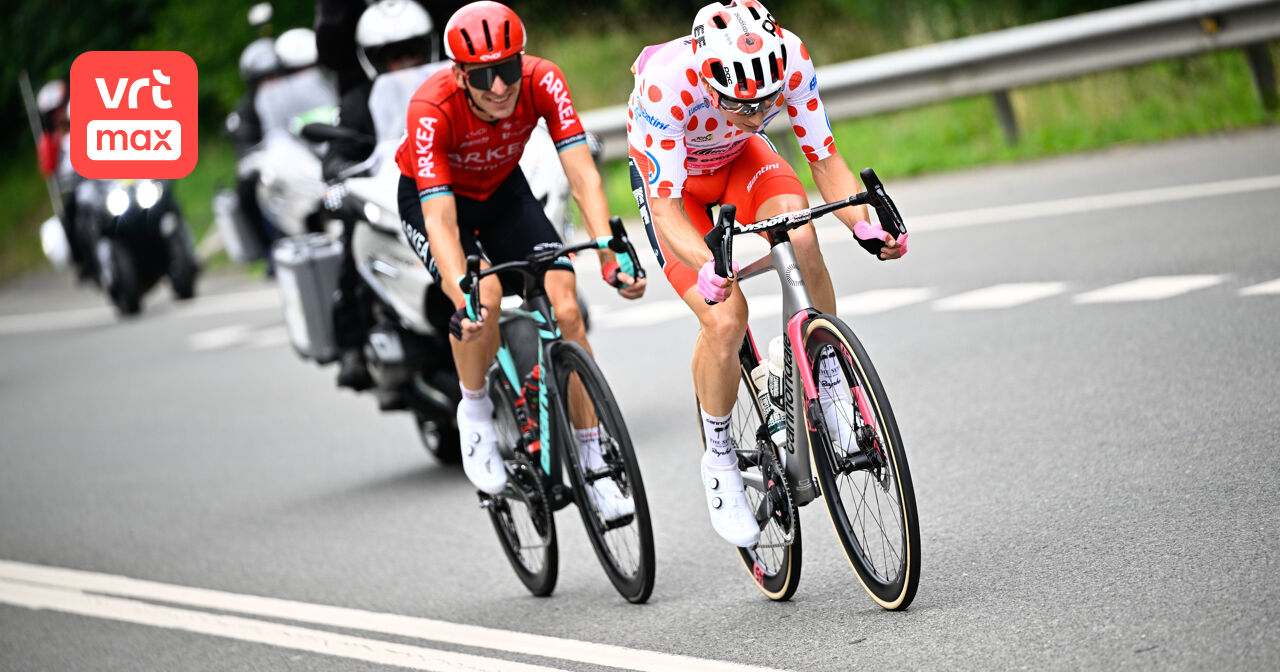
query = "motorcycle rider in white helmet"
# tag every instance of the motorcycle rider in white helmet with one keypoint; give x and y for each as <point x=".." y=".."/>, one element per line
<point x="301" y="87"/>
<point x="395" y="40"/>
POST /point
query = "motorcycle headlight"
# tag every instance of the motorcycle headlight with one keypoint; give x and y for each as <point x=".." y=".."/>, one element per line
<point x="372" y="213"/>
<point x="117" y="201"/>
<point x="148" y="193"/>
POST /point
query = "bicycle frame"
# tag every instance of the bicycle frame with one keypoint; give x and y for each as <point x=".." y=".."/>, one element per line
<point x="537" y="307"/>
<point x="797" y="310"/>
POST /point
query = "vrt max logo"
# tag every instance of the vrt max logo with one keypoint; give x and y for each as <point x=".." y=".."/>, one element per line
<point x="133" y="114"/>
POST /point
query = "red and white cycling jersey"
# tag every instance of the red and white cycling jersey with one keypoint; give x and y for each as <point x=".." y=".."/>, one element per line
<point x="449" y="149"/>
<point x="673" y="123"/>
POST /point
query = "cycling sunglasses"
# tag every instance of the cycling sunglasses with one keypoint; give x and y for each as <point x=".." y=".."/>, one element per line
<point x="745" y="108"/>
<point x="483" y="78"/>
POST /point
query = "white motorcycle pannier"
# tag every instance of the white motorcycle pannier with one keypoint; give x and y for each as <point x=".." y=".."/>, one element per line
<point x="307" y="269"/>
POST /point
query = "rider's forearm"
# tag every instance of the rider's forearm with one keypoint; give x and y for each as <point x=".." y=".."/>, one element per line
<point x="836" y="182"/>
<point x="677" y="231"/>
<point x="588" y="191"/>
<point x="446" y="247"/>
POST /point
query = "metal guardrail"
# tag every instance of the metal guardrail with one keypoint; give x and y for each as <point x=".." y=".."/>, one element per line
<point x="993" y="63"/>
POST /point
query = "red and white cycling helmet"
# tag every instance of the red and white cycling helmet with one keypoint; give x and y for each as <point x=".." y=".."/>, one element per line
<point x="483" y="32"/>
<point x="739" y="49"/>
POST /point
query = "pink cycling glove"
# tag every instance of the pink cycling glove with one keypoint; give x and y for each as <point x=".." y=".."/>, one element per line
<point x="711" y="286"/>
<point x="864" y="231"/>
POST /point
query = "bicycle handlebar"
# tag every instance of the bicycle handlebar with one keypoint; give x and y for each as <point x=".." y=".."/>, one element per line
<point x="539" y="261"/>
<point x="720" y="238"/>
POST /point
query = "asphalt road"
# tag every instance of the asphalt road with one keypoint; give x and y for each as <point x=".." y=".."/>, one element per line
<point x="1094" y="460"/>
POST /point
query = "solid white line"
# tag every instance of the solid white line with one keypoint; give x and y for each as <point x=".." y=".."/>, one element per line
<point x="1150" y="289"/>
<point x="836" y="232"/>
<point x="269" y="338"/>
<point x="1000" y="296"/>
<point x="64" y="319"/>
<point x="881" y="300"/>
<point x="355" y="619"/>
<point x="250" y="630"/>
<point x="1272" y="287"/>
<point x="239" y="302"/>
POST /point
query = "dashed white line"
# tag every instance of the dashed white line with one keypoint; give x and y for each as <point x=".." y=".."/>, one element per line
<point x="1150" y="289"/>
<point x="1272" y="287"/>
<point x="881" y="300"/>
<point x="645" y="314"/>
<point x="1000" y="296"/>
<point x="222" y="337"/>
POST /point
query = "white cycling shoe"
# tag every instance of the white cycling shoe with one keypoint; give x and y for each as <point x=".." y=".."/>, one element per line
<point x="481" y="461"/>
<point x="731" y="516"/>
<point x="609" y="500"/>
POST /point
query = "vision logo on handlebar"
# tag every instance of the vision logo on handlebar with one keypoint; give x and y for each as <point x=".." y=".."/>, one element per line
<point x="797" y="217"/>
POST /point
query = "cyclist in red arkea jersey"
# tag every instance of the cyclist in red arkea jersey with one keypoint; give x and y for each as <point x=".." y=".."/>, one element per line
<point x="461" y="188"/>
<point x="695" y="126"/>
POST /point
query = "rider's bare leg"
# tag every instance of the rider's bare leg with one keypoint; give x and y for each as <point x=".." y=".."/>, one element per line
<point x="715" y="355"/>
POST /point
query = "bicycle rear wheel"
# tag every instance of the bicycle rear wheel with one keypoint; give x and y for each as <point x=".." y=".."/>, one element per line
<point x="623" y="545"/>
<point x="774" y="563"/>
<point x="521" y="514"/>
<point x="862" y="465"/>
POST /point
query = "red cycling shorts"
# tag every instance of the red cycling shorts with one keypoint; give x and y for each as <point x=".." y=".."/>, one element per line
<point x="755" y="176"/>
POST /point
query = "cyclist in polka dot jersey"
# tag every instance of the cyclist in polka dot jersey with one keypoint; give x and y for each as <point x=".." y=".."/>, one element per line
<point x="695" y="132"/>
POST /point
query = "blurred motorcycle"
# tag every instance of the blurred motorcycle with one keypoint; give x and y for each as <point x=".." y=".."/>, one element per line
<point x="407" y="344"/>
<point x="137" y="236"/>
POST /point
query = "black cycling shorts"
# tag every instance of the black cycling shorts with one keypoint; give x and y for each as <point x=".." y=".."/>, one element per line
<point x="507" y="226"/>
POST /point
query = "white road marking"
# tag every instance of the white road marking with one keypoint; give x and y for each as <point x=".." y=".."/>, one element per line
<point x="1150" y="289"/>
<point x="250" y="630"/>
<point x="645" y="314"/>
<point x="269" y="338"/>
<point x="63" y="319"/>
<point x="836" y="232"/>
<point x="1272" y="287"/>
<point x="222" y="337"/>
<point x="881" y="300"/>
<point x="1000" y="296"/>
<point x="17" y="573"/>
<point x="238" y="302"/>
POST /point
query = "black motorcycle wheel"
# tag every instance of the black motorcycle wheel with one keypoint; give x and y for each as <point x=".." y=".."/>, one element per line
<point x="183" y="267"/>
<point x="119" y="277"/>
<point x="440" y="437"/>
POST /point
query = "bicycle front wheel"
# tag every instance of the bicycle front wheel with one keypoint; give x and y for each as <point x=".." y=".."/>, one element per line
<point x="521" y="514"/>
<point x="862" y="466"/>
<point x="607" y="482"/>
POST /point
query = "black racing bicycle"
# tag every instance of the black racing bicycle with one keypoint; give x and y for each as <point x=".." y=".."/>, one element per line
<point x="839" y="427"/>
<point x="547" y="390"/>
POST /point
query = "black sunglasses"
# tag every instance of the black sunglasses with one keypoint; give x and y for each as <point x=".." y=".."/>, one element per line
<point x="745" y="108"/>
<point x="482" y="78"/>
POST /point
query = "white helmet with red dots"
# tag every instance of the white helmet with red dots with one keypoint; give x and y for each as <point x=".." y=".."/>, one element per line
<point x="738" y="47"/>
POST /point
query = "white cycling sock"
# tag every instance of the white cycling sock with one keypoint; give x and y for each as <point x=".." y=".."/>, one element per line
<point x="719" y="444"/>
<point x="589" y="441"/>
<point x="476" y="404"/>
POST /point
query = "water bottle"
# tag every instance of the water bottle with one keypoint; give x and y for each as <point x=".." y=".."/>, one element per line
<point x="527" y="412"/>
<point x="777" y="362"/>
<point x="775" y="421"/>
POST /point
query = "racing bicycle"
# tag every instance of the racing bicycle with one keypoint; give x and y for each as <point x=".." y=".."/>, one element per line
<point x="543" y="387"/>
<point x="842" y="442"/>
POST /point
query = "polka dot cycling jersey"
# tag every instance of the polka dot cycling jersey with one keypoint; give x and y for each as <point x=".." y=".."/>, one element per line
<point x="671" y="120"/>
<point x="449" y="149"/>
